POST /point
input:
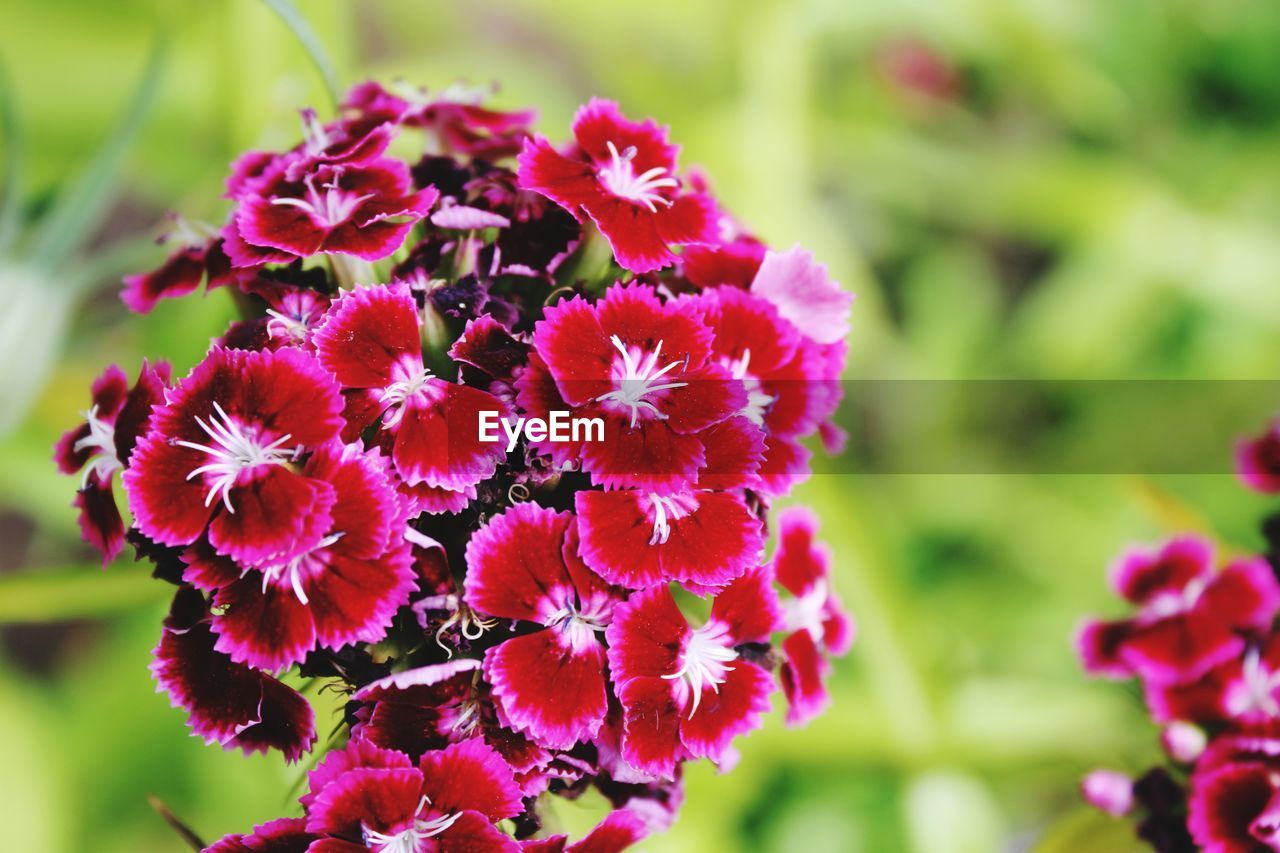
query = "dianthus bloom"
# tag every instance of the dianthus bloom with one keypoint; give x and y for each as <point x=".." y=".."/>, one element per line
<point x="1204" y="645"/>
<point x="513" y="614"/>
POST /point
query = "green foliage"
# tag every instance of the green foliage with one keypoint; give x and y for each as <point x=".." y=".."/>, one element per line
<point x="1090" y="199"/>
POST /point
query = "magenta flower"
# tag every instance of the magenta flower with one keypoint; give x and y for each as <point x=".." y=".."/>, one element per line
<point x="220" y="456"/>
<point x="449" y="801"/>
<point x="198" y="258"/>
<point x="817" y="622"/>
<point x="1258" y="461"/>
<point x="1189" y="615"/>
<point x="523" y="565"/>
<point x="286" y="835"/>
<point x="371" y="343"/>
<point x="645" y="368"/>
<point x="227" y="703"/>
<point x="103" y="444"/>
<point x="622" y="175"/>
<point x="687" y="692"/>
<point x="1234" y="807"/>
<point x="456" y="118"/>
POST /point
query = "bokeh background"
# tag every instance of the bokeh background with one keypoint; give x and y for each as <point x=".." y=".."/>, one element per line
<point x="1070" y="189"/>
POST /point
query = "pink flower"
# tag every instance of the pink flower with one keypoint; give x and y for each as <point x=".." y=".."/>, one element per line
<point x="1189" y="614"/>
<point x="637" y="539"/>
<point x="371" y="342"/>
<point x="227" y="703"/>
<point x="645" y="368"/>
<point x="220" y="455"/>
<point x="103" y="444"/>
<point x="687" y="692"/>
<point x="1234" y="807"/>
<point x="365" y="210"/>
<point x="344" y="589"/>
<point x="804" y="294"/>
<point x="621" y="174"/>
<point x="1108" y="791"/>
<point x="524" y="565"/>
<point x="818" y="623"/>
<point x="1258" y="461"/>
<point x="449" y="801"/>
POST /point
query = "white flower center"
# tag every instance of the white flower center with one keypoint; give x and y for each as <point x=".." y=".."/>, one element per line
<point x="805" y="612"/>
<point x="101" y="441"/>
<point x="1172" y="603"/>
<point x="665" y="509"/>
<point x="232" y="451"/>
<point x="620" y="179"/>
<point x="396" y="396"/>
<point x="406" y="841"/>
<point x="1254" y="694"/>
<point x="316" y="137"/>
<point x="758" y="402"/>
<point x="329" y="208"/>
<point x="578" y="624"/>
<point x="704" y="664"/>
<point x="636" y="378"/>
<point x="282" y="324"/>
<point x="297" y="568"/>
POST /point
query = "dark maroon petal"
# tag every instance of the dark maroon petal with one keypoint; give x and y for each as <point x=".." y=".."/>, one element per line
<point x="381" y="799"/>
<point x="135" y="414"/>
<point x="278" y="515"/>
<point x="1258" y="461"/>
<point x="549" y="687"/>
<point x="736" y="708"/>
<point x="473" y="833"/>
<point x="99" y="518"/>
<point x="486" y="345"/>
<point x="286" y="835"/>
<point x="1180" y="648"/>
<point x="1244" y="595"/>
<point x="354" y="600"/>
<point x="180" y="274"/>
<point x="1141" y="575"/>
<point x="166" y="506"/>
<point x="226" y="703"/>
<point x="1224" y="804"/>
<point x="1099" y="644"/>
<point x="357" y="753"/>
<point x="470" y="776"/>
<point x="266" y="627"/>
<point x="802" y="676"/>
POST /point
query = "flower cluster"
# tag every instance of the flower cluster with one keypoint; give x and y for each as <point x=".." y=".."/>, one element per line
<point x="1202" y="641"/>
<point x="507" y="621"/>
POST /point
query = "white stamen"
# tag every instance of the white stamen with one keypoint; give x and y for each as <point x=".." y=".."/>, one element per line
<point x="406" y="841"/>
<point x="283" y="324"/>
<point x="580" y="624"/>
<point x="1259" y="687"/>
<point x="293" y="568"/>
<point x="805" y="612"/>
<point x="232" y="451"/>
<point x="666" y="509"/>
<point x="758" y="402"/>
<point x="396" y="397"/>
<point x="637" y="379"/>
<point x="330" y="209"/>
<point x="101" y="441"/>
<point x="619" y="178"/>
<point x="704" y="663"/>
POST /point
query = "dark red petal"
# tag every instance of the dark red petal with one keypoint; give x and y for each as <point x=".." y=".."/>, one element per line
<point x="357" y="753"/>
<point x="710" y="396"/>
<point x="384" y="800"/>
<point x="651" y="737"/>
<point x="749" y="606"/>
<point x="438" y="443"/>
<point x="785" y="466"/>
<point x="645" y="635"/>
<point x="473" y="833"/>
<point x="227" y="703"/>
<point x="576" y="350"/>
<point x="1180" y="648"/>
<point x="800" y="562"/>
<point x="802" y="676"/>
<point x="735" y="708"/>
<point x="486" y="345"/>
<point x="566" y="181"/>
<point x="470" y="776"/>
<point x="632" y="232"/>
<point x="1244" y="595"/>
<point x="354" y="600"/>
<point x="618" y="831"/>
<point x="180" y="274"/>
<point x="599" y="122"/>
<point x="166" y="506"/>
<point x="1224" y="804"/>
<point x="734" y="452"/>
<point x="1140" y="574"/>
<point x="1099" y="643"/>
<point x="135" y="414"/>
<point x="278" y="515"/>
<point x="367" y="332"/>
<point x="548" y="688"/>
<point x="514" y="564"/>
<point x="691" y="218"/>
<point x="99" y="518"/>
<point x="652" y="457"/>
<point x="286" y="835"/>
<point x="266" y="628"/>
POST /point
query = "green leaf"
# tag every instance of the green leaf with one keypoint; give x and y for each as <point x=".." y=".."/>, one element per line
<point x="294" y="20"/>
<point x="79" y="207"/>
<point x="75" y="592"/>
<point x="11" y="191"/>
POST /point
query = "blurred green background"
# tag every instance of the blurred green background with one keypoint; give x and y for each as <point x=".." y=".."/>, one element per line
<point x="1049" y="188"/>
